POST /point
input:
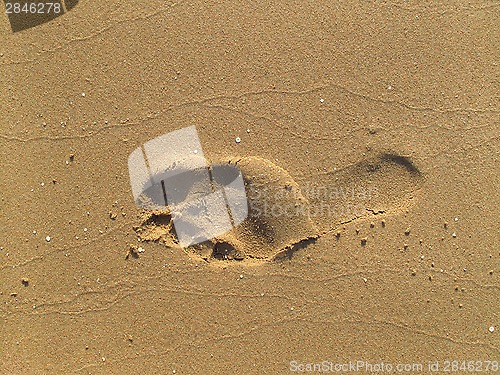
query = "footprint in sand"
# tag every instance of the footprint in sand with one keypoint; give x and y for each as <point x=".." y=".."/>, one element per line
<point x="381" y="183"/>
<point x="284" y="217"/>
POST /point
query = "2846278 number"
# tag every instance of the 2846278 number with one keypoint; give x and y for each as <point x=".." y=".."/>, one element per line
<point x="470" y="366"/>
<point x="32" y="8"/>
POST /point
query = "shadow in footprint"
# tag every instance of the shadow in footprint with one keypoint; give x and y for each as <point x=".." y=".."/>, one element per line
<point x="288" y="253"/>
<point x="24" y="14"/>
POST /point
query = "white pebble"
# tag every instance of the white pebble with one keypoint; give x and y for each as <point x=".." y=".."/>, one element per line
<point x="491" y="329"/>
<point x="83" y="94"/>
<point x="238" y="139"/>
<point x="454" y="235"/>
<point x="140" y="250"/>
<point x="47" y="238"/>
<point x="241" y="276"/>
<point x="456" y="219"/>
<point x="85" y="229"/>
<point x="322" y="100"/>
<point x="42" y="184"/>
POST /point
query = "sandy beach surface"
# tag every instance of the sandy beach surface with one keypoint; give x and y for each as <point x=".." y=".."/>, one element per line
<point x="367" y="135"/>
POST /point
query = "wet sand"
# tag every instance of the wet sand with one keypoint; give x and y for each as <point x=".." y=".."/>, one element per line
<point x="378" y="120"/>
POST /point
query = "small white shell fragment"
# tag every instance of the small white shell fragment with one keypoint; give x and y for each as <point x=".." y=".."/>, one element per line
<point x="491" y="329"/>
<point x="238" y="139"/>
<point x="47" y="238"/>
<point x="140" y="250"/>
<point x="322" y="100"/>
<point x="454" y="235"/>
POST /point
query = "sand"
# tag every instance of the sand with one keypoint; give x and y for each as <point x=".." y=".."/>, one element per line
<point x="377" y="121"/>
